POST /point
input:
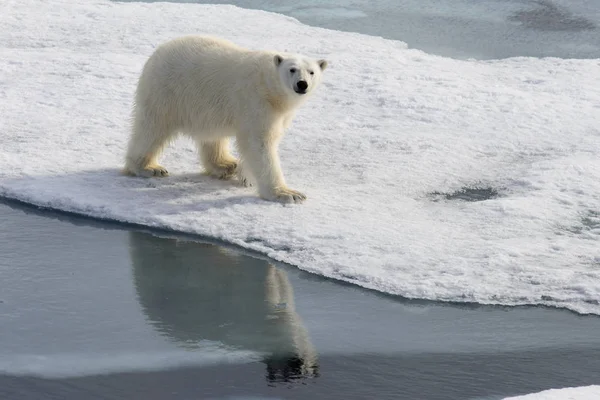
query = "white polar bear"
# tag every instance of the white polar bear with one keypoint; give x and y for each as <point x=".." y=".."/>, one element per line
<point x="211" y="90"/>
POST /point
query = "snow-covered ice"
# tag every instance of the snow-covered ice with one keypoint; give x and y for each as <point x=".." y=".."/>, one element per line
<point x="380" y="150"/>
<point x="578" y="393"/>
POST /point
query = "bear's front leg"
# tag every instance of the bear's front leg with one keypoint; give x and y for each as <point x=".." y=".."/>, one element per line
<point x="259" y="154"/>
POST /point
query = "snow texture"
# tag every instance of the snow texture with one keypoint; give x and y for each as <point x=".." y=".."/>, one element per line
<point x="579" y="393"/>
<point x="427" y="177"/>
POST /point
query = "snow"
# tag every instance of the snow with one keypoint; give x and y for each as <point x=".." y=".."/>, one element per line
<point x="389" y="128"/>
<point x="579" y="393"/>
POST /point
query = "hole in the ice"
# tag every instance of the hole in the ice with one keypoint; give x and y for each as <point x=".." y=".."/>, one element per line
<point x="591" y="220"/>
<point x="550" y="17"/>
<point x="588" y="223"/>
<point x="478" y="193"/>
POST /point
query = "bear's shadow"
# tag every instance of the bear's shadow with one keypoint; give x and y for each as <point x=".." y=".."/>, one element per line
<point x="106" y="191"/>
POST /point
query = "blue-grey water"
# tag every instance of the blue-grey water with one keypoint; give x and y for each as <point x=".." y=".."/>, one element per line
<point x="482" y="29"/>
<point x="93" y="310"/>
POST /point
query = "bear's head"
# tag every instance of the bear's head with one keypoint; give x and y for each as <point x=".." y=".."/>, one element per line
<point x="299" y="75"/>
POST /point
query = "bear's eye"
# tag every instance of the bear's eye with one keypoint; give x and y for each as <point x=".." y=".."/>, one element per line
<point x="312" y="72"/>
<point x="293" y="70"/>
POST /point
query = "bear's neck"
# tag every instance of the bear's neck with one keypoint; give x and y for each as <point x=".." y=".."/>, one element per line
<point x="280" y="103"/>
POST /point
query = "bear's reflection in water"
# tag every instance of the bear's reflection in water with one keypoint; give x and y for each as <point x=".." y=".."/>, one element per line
<point x="192" y="292"/>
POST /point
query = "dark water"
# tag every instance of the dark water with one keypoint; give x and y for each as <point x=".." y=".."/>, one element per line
<point x="92" y="310"/>
<point x="482" y="29"/>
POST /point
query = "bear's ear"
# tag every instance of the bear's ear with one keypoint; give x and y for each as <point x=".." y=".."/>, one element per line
<point x="322" y="64"/>
<point x="278" y="60"/>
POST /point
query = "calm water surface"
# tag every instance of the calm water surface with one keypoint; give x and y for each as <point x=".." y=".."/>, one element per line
<point x="482" y="29"/>
<point x="96" y="310"/>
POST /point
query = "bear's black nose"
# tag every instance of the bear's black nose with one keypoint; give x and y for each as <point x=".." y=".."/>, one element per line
<point x="302" y="85"/>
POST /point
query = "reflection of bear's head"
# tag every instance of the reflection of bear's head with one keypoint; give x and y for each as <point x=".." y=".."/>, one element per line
<point x="300" y="75"/>
<point x="192" y="292"/>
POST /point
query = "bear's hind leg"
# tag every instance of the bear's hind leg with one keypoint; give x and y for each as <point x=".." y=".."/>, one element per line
<point x="145" y="145"/>
<point x="216" y="158"/>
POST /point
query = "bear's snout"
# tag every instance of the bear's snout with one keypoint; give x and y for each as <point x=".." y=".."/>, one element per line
<point x="301" y="87"/>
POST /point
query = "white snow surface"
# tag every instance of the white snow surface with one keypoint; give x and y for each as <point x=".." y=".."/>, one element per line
<point x="578" y="393"/>
<point x="389" y="127"/>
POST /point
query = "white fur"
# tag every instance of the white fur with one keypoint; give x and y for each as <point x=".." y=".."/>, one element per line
<point x="211" y="90"/>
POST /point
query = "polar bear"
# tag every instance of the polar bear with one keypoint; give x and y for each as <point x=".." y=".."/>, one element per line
<point x="212" y="90"/>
